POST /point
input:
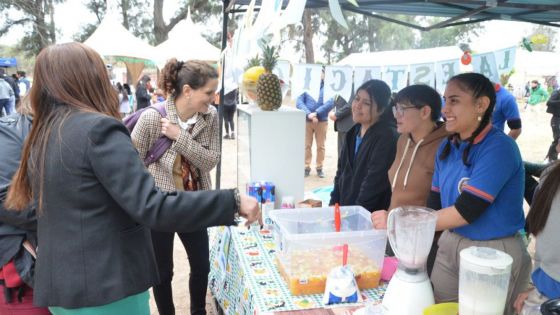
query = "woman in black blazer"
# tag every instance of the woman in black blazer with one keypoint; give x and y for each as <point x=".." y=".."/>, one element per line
<point x="96" y="201"/>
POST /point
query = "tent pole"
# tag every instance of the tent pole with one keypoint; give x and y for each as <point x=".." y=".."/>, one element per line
<point x="225" y="17"/>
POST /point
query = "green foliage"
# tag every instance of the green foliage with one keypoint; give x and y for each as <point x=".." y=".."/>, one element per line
<point x="448" y="36"/>
<point x="24" y="62"/>
<point x="37" y="17"/>
<point x="253" y="62"/>
<point x="371" y="34"/>
<point x="269" y="58"/>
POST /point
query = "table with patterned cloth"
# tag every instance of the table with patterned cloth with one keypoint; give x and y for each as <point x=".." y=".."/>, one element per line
<point x="244" y="278"/>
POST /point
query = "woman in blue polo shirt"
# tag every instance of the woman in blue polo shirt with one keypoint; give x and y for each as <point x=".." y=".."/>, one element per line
<point x="478" y="185"/>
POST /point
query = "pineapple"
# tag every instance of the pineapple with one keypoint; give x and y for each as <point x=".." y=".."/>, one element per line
<point x="269" y="94"/>
<point x="253" y="62"/>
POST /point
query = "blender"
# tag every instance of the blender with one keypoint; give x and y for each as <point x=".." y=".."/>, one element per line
<point x="484" y="275"/>
<point x="410" y="231"/>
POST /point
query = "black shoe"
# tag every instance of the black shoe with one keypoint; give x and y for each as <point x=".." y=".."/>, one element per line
<point x="232" y="136"/>
<point x="320" y="173"/>
<point x="226" y="136"/>
<point x="307" y="172"/>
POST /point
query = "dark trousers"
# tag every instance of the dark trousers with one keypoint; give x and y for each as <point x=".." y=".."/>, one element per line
<point x="5" y="105"/>
<point x="229" y="111"/>
<point x="555" y="125"/>
<point x="196" y="245"/>
<point x="17" y="307"/>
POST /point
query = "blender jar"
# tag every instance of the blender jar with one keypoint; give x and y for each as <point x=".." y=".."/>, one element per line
<point x="483" y="281"/>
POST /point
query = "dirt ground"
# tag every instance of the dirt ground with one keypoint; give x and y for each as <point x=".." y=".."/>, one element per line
<point x="533" y="142"/>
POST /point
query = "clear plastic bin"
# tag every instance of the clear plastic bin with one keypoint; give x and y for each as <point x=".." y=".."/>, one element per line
<point x="308" y="246"/>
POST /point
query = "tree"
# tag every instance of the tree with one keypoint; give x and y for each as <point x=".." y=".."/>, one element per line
<point x="371" y="34"/>
<point x="37" y="13"/>
<point x="549" y="32"/>
<point x="448" y="36"/>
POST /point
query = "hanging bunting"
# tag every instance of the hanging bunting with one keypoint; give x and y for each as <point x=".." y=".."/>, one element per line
<point x="336" y="13"/>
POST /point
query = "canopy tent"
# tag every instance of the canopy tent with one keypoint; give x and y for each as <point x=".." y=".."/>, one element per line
<point x="397" y="57"/>
<point x="457" y="12"/>
<point x="186" y="43"/>
<point x="112" y="39"/>
<point x="545" y="12"/>
<point x="8" y="62"/>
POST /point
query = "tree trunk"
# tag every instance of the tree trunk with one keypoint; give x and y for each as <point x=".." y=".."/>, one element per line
<point x="308" y="37"/>
<point x="52" y="29"/>
<point x="160" y="29"/>
<point x="124" y="10"/>
<point x="40" y="26"/>
<point x="371" y="34"/>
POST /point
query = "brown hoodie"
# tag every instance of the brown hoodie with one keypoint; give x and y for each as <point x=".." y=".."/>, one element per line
<point x="414" y="167"/>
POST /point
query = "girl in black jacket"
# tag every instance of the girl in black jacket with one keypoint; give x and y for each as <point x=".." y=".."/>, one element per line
<point x="368" y="152"/>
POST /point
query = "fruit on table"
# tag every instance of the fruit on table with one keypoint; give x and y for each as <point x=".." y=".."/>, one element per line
<point x="250" y="78"/>
<point x="305" y="271"/>
<point x="269" y="93"/>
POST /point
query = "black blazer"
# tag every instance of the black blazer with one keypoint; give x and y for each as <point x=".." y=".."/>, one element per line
<point x="99" y="205"/>
<point x="362" y="179"/>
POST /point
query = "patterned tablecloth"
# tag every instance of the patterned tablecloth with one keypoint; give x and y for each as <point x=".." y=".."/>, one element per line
<point x="244" y="278"/>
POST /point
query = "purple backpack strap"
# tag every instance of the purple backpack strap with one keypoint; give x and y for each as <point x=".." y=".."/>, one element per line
<point x="162" y="143"/>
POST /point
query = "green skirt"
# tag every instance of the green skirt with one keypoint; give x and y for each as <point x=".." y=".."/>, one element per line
<point x="134" y="304"/>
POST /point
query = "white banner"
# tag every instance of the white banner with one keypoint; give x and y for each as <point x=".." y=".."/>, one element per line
<point x="423" y="73"/>
<point x="363" y="74"/>
<point x="395" y="77"/>
<point x="306" y="78"/>
<point x="505" y="59"/>
<point x="339" y="80"/>
<point x="486" y="64"/>
<point x="444" y="71"/>
<point x="282" y="70"/>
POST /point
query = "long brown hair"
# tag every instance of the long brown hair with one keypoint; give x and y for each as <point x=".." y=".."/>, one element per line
<point x="67" y="78"/>
<point x="540" y="209"/>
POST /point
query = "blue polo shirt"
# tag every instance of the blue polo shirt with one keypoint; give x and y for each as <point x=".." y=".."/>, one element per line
<point x="505" y="109"/>
<point x="495" y="175"/>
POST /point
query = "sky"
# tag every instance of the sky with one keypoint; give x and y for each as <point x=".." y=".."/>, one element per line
<point x="494" y="37"/>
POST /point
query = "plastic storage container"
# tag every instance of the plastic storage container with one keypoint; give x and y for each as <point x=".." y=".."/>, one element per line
<point x="483" y="281"/>
<point x="308" y="246"/>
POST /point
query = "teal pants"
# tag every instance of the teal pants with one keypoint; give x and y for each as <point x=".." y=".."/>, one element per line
<point x="135" y="304"/>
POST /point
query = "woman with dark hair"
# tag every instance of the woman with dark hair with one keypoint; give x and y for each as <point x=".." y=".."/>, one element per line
<point x="143" y="88"/>
<point x="369" y="150"/>
<point x="417" y="110"/>
<point x="124" y="105"/>
<point x="95" y="213"/>
<point x="478" y="185"/>
<point x="193" y="127"/>
<point x="543" y="222"/>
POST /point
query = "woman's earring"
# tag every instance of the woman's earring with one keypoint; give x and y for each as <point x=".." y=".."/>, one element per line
<point x="479" y="118"/>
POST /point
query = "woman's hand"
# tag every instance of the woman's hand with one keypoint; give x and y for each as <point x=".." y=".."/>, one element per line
<point x="170" y="130"/>
<point x="520" y="300"/>
<point x="379" y="219"/>
<point x="249" y="209"/>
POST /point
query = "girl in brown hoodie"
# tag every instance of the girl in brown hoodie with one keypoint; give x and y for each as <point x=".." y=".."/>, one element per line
<point x="417" y="111"/>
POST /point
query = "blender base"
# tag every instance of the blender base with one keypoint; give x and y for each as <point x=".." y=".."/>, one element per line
<point x="407" y="298"/>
